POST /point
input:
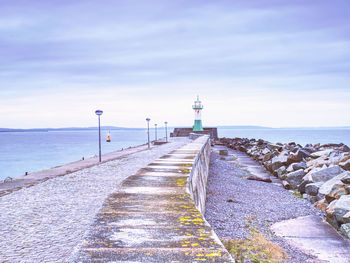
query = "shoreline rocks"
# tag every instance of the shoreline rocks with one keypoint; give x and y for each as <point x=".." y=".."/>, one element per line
<point x="320" y="172"/>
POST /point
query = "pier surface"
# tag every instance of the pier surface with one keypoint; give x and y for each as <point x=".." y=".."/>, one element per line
<point x="152" y="217"/>
<point x="43" y="223"/>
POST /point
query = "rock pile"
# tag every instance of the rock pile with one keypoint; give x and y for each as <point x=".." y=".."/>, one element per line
<point x="321" y="173"/>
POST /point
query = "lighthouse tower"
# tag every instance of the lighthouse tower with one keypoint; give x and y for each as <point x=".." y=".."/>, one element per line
<point x="197" y="107"/>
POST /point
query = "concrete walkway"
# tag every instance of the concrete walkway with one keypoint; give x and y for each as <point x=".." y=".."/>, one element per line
<point x="152" y="218"/>
<point x="44" y="223"/>
<point x="41" y="176"/>
<point x="316" y="237"/>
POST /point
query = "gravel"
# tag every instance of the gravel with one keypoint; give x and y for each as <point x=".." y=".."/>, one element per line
<point x="44" y="223"/>
<point x="232" y="200"/>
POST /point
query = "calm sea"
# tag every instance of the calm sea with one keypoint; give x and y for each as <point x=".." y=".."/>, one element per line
<point x="22" y="152"/>
<point x="301" y="136"/>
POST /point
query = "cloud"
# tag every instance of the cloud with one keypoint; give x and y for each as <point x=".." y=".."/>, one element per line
<point x="167" y="52"/>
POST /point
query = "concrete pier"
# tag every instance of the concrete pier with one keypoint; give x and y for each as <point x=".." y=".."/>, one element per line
<point x="155" y="215"/>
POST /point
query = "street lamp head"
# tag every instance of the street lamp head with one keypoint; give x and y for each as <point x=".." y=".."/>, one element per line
<point x="155" y="124"/>
<point x="165" y="122"/>
<point x="98" y="112"/>
<point x="148" y="119"/>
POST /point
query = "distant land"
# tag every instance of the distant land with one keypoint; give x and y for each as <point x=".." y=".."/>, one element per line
<point x="67" y="129"/>
<point x="252" y="127"/>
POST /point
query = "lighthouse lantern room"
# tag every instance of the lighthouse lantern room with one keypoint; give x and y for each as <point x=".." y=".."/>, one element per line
<point x="197" y="107"/>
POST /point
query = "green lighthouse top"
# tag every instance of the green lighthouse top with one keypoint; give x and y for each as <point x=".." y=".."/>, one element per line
<point x="197" y="104"/>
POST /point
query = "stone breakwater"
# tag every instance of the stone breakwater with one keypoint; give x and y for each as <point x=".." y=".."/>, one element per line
<point x="321" y="173"/>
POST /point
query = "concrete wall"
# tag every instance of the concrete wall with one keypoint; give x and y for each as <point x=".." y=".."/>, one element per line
<point x="197" y="181"/>
<point x="185" y="132"/>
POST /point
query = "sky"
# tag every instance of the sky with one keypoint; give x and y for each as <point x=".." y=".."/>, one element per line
<point x="252" y="62"/>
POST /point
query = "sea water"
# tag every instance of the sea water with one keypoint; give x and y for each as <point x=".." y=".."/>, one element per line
<point x="22" y="152"/>
<point x="300" y="136"/>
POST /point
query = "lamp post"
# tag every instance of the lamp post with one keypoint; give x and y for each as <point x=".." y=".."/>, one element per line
<point x="99" y="113"/>
<point x="155" y="127"/>
<point x="149" y="145"/>
<point x="166" y="131"/>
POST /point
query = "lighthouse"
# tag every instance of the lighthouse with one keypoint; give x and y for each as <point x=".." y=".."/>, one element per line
<point x="197" y="107"/>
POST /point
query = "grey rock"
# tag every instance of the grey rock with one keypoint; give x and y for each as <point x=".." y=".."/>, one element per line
<point x="310" y="198"/>
<point x="321" y="153"/>
<point x="298" y="166"/>
<point x="259" y="178"/>
<point x="302" y="154"/>
<point x="326" y="188"/>
<point x="345" y="230"/>
<point x="290" y="169"/>
<point x="286" y="185"/>
<point x="342" y="207"/>
<point x="265" y="151"/>
<point x="345" y="165"/>
<point x="346" y="178"/>
<point x="310" y="149"/>
<point x="301" y="187"/>
<point x="344" y="148"/>
<point x="312" y="189"/>
<point x="295" y="178"/>
<point x="324" y="174"/>
<point x="281" y="171"/>
<point x="277" y="162"/>
<point x="346" y="218"/>
<point x="336" y="191"/>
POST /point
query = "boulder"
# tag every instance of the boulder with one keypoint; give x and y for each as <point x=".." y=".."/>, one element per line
<point x="309" y="149"/>
<point x="344" y="148"/>
<point x="277" y="162"/>
<point x="324" y="174"/>
<point x="316" y="163"/>
<point x="301" y="187"/>
<point x="294" y="178"/>
<point x="345" y="230"/>
<point x="290" y="169"/>
<point x="312" y="189"/>
<point x="311" y="199"/>
<point x="327" y="187"/>
<point x="321" y="204"/>
<point x="342" y="207"/>
<point x="281" y="171"/>
<point x="346" y="218"/>
<point x="346" y="178"/>
<point x="298" y="166"/>
<point x="302" y="154"/>
<point x="265" y="151"/>
<point x="345" y="165"/>
<point x="259" y="178"/>
<point x="331" y="214"/>
<point x="336" y="191"/>
<point x="286" y="185"/>
<point x="318" y="154"/>
<point x="267" y="157"/>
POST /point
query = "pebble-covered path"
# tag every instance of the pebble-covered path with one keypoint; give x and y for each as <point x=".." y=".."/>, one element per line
<point x="45" y="222"/>
<point x="233" y="202"/>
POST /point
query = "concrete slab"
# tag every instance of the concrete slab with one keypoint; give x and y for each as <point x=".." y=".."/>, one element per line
<point x="152" y="218"/>
<point x="316" y="237"/>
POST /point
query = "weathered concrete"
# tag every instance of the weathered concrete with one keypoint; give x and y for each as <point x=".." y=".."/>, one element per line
<point x="152" y="218"/>
<point x="185" y="132"/>
<point x="316" y="237"/>
<point x="44" y="175"/>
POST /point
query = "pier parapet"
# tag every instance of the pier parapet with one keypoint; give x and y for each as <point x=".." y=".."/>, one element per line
<point x="156" y="214"/>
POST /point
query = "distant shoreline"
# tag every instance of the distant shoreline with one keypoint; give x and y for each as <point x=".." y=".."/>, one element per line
<point x="113" y="128"/>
